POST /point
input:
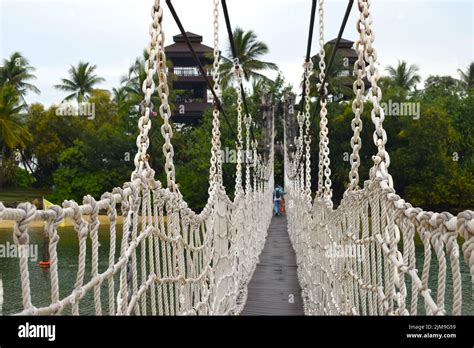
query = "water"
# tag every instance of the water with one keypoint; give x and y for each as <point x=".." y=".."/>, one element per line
<point x="68" y="251"/>
<point x="68" y="248"/>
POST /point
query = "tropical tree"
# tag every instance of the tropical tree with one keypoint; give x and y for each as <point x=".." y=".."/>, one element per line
<point x="132" y="82"/>
<point x="99" y="158"/>
<point x="131" y="93"/>
<point x="248" y="50"/>
<point x="13" y="133"/>
<point x="17" y="71"/>
<point x="467" y="77"/>
<point x="403" y="75"/>
<point x="81" y="81"/>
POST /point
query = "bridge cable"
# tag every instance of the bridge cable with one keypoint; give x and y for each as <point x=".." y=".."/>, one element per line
<point x="234" y="54"/>
<point x="310" y="41"/>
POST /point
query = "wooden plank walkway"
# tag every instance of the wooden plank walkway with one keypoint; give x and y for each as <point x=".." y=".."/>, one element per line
<point x="274" y="288"/>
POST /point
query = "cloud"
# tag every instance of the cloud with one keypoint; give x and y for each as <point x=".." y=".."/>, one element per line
<point x="53" y="34"/>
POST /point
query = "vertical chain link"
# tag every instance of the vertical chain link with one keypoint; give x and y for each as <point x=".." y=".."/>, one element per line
<point x="382" y="158"/>
<point x="254" y="164"/>
<point x="163" y="91"/>
<point x="299" y="143"/>
<point x="308" y="67"/>
<point x="324" y="161"/>
<point x="358" y="104"/>
<point x="148" y="88"/>
<point x="248" y="124"/>
<point x="215" y="172"/>
<point x="238" y="175"/>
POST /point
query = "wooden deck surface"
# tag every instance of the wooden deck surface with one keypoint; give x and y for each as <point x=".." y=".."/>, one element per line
<point x="274" y="288"/>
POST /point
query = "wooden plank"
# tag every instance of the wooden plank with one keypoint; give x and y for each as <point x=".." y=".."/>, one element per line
<point x="274" y="288"/>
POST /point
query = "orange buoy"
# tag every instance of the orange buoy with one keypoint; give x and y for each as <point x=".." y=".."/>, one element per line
<point x="44" y="264"/>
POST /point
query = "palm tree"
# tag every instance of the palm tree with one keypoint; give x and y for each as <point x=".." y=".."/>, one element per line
<point x="467" y="77"/>
<point x="81" y="83"/>
<point x="16" y="71"/>
<point x="119" y="95"/>
<point x="132" y="82"/>
<point x="13" y="133"/>
<point x="248" y="50"/>
<point x="404" y="76"/>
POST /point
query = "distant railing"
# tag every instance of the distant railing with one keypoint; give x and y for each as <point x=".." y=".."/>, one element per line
<point x="181" y="99"/>
<point x="189" y="71"/>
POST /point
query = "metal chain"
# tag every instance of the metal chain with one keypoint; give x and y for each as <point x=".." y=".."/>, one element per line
<point x="163" y="91"/>
<point x="254" y="164"/>
<point x="308" y="67"/>
<point x="215" y="172"/>
<point x="238" y="175"/>
<point x="299" y="142"/>
<point x="302" y="174"/>
<point x="382" y="158"/>
<point x="148" y="87"/>
<point x="324" y="161"/>
<point x="358" y="104"/>
<point x="248" y="122"/>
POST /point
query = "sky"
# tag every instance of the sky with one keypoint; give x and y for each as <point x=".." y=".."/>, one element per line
<point x="54" y="34"/>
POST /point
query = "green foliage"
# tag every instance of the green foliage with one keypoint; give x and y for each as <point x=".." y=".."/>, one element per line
<point x="13" y="133"/>
<point x="431" y="157"/>
<point x="100" y="158"/>
<point x="53" y="134"/>
<point x="14" y="136"/>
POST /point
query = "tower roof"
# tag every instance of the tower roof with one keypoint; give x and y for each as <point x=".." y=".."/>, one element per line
<point x="342" y="42"/>
<point x="180" y="46"/>
<point x="191" y="36"/>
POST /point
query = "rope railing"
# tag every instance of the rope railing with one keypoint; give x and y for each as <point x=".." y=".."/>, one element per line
<point x="171" y="260"/>
<point x="375" y="254"/>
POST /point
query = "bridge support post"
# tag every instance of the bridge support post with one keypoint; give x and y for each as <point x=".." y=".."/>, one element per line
<point x="267" y="118"/>
<point x="289" y="118"/>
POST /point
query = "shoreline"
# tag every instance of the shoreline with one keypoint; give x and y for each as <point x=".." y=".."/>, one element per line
<point x="68" y="222"/>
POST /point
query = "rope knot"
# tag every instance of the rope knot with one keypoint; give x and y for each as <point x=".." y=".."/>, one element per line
<point x="57" y="213"/>
<point x="93" y="203"/>
<point x="20" y="230"/>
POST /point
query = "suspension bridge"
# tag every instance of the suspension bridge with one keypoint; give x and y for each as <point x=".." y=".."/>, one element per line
<point x="234" y="257"/>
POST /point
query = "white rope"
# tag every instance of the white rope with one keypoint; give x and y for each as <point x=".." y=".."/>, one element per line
<point x="184" y="263"/>
<point x="351" y="260"/>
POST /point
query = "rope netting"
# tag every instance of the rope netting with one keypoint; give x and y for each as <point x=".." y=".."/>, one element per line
<point x="375" y="254"/>
<point x="171" y="260"/>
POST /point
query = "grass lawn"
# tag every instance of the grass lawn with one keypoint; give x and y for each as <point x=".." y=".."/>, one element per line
<point x="17" y="195"/>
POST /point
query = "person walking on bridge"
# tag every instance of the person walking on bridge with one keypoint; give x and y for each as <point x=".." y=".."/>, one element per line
<point x="277" y="196"/>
